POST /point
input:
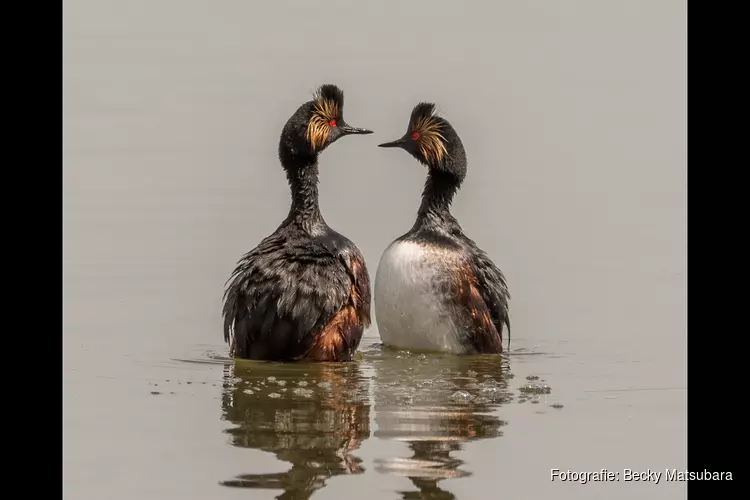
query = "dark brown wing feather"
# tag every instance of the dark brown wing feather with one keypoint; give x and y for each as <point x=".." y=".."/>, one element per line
<point x="361" y="291"/>
<point x="480" y="329"/>
<point x="338" y="339"/>
<point x="493" y="289"/>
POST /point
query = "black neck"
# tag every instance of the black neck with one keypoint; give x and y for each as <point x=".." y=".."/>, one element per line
<point x="303" y="182"/>
<point x="437" y="195"/>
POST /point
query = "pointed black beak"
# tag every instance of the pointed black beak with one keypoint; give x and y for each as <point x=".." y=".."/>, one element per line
<point x="347" y="130"/>
<point x="398" y="143"/>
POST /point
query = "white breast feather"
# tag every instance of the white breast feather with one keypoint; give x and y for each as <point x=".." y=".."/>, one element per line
<point x="408" y="308"/>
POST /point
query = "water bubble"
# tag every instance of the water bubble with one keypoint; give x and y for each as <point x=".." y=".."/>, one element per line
<point x="302" y="383"/>
<point x="325" y="385"/>
<point x="471" y="373"/>
<point x="445" y="384"/>
<point x="535" y="389"/>
<point x="249" y="391"/>
<point x="491" y="392"/>
<point x="532" y="377"/>
<point x="305" y="393"/>
<point x="271" y="379"/>
<point x="281" y="383"/>
<point x="461" y="396"/>
<point x="490" y="382"/>
<point x="274" y="395"/>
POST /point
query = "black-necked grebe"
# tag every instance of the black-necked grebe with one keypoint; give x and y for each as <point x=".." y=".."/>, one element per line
<point x="304" y="292"/>
<point x="435" y="290"/>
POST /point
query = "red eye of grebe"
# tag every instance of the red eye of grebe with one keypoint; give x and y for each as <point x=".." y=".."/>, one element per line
<point x="332" y="123"/>
<point x="415" y="135"/>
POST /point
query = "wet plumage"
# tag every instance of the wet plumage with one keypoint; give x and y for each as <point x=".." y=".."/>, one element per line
<point x="304" y="291"/>
<point x="435" y="289"/>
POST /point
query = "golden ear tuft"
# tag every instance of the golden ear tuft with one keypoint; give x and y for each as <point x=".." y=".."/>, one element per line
<point x="318" y="128"/>
<point x="431" y="140"/>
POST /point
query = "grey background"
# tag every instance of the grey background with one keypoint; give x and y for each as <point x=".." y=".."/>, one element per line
<point x="573" y="114"/>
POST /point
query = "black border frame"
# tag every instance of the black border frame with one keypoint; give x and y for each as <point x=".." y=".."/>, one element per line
<point x="715" y="392"/>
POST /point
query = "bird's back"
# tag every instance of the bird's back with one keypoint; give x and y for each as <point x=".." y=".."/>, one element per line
<point x="281" y="292"/>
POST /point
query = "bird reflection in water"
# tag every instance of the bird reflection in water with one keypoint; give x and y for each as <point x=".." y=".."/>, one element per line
<point x="312" y="415"/>
<point x="436" y="404"/>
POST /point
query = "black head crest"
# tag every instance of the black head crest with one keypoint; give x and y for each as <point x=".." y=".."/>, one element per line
<point x="330" y="92"/>
<point x="421" y="112"/>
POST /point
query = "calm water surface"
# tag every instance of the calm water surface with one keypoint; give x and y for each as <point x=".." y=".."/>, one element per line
<point x="573" y="116"/>
<point x="390" y="425"/>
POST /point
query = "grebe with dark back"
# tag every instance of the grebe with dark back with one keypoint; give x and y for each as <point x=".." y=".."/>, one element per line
<point x="303" y="293"/>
